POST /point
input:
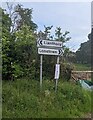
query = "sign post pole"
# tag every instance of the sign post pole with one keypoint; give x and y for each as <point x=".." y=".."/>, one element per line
<point x="41" y="57"/>
<point x="57" y="79"/>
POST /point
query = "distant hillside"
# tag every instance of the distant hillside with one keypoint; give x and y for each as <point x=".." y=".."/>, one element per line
<point x="83" y="54"/>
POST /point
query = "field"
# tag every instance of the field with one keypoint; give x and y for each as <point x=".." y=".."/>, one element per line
<point x="23" y="99"/>
<point x="82" y="67"/>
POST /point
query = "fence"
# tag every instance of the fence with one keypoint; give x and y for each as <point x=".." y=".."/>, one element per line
<point x="83" y="75"/>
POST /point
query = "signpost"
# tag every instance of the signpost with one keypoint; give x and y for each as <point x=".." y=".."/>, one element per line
<point x="57" y="72"/>
<point x="56" y="77"/>
<point x="50" y="47"/>
<point x="49" y="43"/>
<point x="41" y="71"/>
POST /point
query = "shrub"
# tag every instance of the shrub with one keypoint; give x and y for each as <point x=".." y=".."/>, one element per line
<point x="65" y="71"/>
<point x="17" y="70"/>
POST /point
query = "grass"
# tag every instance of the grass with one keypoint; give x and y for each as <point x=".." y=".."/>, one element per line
<point x="82" y="67"/>
<point x="23" y="99"/>
<point x="0" y="99"/>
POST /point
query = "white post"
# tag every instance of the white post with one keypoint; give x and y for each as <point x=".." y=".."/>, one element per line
<point x="41" y="57"/>
<point x="57" y="79"/>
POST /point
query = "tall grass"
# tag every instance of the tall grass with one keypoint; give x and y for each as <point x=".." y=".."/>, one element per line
<point x="23" y="99"/>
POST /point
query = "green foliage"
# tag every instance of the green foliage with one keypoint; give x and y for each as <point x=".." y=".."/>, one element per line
<point x="25" y="50"/>
<point x="23" y="99"/>
<point x="19" y="44"/>
<point x="65" y="72"/>
<point x="47" y="31"/>
<point x="18" y="47"/>
<point x="61" y="36"/>
<point x="7" y="45"/>
<point x="18" y="71"/>
<point x="20" y="16"/>
<point x="25" y="17"/>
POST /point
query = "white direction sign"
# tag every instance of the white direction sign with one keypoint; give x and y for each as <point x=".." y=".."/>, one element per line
<point x="49" y="43"/>
<point x="49" y="51"/>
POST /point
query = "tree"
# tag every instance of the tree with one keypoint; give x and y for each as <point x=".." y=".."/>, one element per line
<point x="83" y="54"/>
<point x="25" y="49"/>
<point x="7" y="44"/>
<point x="62" y="37"/>
<point x="20" y="16"/>
<point x="46" y="34"/>
<point x="25" y="16"/>
<point x="18" y="51"/>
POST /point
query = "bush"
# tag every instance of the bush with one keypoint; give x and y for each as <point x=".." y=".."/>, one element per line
<point x="65" y="71"/>
<point x="17" y="70"/>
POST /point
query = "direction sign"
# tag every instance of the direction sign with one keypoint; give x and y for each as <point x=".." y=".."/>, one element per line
<point x="49" y="43"/>
<point x="49" y="51"/>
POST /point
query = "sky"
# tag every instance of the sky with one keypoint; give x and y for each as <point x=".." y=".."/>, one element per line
<point x="74" y="17"/>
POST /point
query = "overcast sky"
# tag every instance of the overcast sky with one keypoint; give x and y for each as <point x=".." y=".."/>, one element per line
<point x="74" y="17"/>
